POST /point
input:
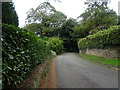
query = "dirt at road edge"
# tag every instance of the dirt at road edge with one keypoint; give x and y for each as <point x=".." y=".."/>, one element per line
<point x="52" y="75"/>
<point x="49" y="81"/>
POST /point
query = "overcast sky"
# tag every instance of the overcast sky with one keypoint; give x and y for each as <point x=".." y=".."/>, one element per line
<point x="71" y="8"/>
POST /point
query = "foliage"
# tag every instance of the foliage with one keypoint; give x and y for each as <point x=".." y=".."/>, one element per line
<point x="35" y="28"/>
<point x="94" y="31"/>
<point x="45" y="20"/>
<point x="56" y="44"/>
<point x="66" y="33"/>
<point x="98" y="16"/>
<point x="22" y="50"/>
<point x="53" y="23"/>
<point x="79" y="31"/>
<point x="67" y="28"/>
<point x="53" y="53"/>
<point x="9" y="15"/>
<point x="55" y="19"/>
<point x="40" y="13"/>
<point x="110" y="36"/>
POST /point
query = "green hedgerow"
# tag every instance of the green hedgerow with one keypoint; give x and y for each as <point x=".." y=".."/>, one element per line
<point x="111" y="36"/>
<point x="21" y="51"/>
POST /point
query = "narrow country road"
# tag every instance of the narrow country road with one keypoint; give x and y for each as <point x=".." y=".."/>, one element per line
<point x="73" y="72"/>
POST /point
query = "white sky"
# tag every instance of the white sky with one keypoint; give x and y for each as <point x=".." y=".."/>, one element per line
<point x="71" y="8"/>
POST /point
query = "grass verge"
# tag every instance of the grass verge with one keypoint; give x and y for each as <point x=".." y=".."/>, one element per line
<point x="101" y="60"/>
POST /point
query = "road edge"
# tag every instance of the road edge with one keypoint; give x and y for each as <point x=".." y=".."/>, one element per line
<point x="100" y="64"/>
<point x="52" y="75"/>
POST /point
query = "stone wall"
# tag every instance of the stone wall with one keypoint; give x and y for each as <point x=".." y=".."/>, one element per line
<point x="108" y="52"/>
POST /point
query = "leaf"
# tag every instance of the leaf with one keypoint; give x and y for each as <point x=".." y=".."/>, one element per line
<point x="11" y="57"/>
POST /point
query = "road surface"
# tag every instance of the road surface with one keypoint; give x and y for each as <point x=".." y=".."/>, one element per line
<point x="73" y="72"/>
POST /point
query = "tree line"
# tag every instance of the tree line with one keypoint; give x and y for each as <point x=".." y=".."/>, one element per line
<point x="46" y="21"/>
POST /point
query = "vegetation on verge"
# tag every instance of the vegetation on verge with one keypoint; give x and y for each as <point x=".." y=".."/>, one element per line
<point x="56" y="45"/>
<point x="35" y="78"/>
<point x="102" y="60"/>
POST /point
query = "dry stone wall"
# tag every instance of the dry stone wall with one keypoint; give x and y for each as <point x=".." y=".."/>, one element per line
<point x="108" y="52"/>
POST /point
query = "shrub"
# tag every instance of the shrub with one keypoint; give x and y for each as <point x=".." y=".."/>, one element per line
<point x="108" y="37"/>
<point x="56" y="44"/>
<point x="22" y="50"/>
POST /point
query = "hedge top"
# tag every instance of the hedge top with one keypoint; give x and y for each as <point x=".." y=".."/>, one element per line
<point x="110" y="36"/>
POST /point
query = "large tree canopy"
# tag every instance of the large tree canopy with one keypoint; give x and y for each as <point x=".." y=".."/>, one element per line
<point x="40" y="13"/>
<point x="66" y="30"/>
<point x="9" y="15"/>
<point x="45" y="20"/>
<point x="98" y="16"/>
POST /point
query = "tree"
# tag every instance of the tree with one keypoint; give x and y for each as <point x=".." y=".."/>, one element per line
<point x="67" y="28"/>
<point x="55" y="20"/>
<point x="66" y="33"/>
<point x="39" y="14"/>
<point x="9" y="15"/>
<point x="35" y="28"/>
<point x="47" y="17"/>
<point x="98" y="16"/>
<point x="53" y="23"/>
<point x="79" y="32"/>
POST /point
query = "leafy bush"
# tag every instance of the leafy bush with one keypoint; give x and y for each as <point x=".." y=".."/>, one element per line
<point x="22" y="50"/>
<point x="56" y="44"/>
<point x="111" y="36"/>
<point x="94" y="31"/>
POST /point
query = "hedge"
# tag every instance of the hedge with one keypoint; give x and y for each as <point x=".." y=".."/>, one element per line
<point x="108" y="37"/>
<point x="56" y="44"/>
<point x="22" y="50"/>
